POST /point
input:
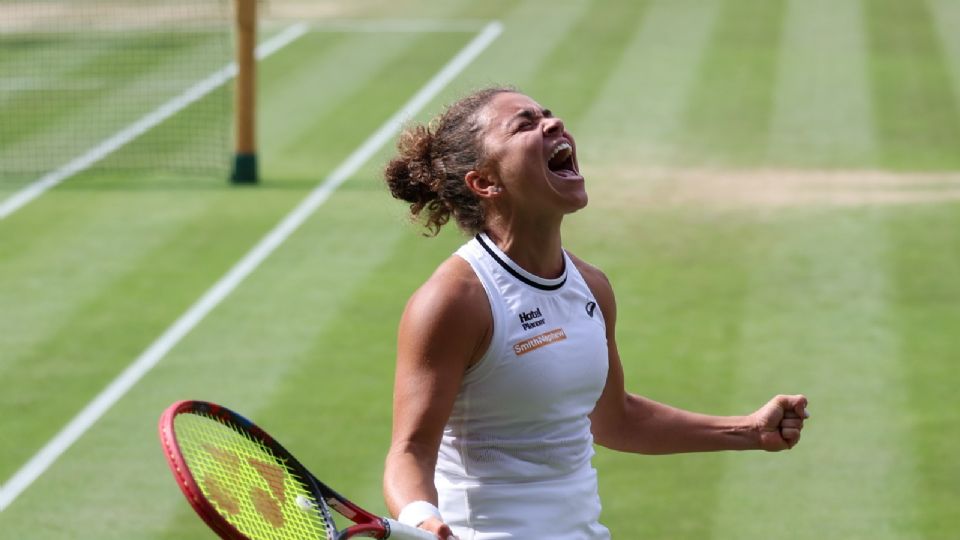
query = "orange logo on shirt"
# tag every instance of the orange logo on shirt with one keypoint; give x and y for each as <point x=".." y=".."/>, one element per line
<point x="541" y="340"/>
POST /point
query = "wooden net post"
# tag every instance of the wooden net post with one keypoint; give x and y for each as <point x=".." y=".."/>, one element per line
<point x="245" y="157"/>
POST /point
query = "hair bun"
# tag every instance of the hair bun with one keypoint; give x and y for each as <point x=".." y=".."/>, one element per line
<point x="410" y="175"/>
<point x="433" y="160"/>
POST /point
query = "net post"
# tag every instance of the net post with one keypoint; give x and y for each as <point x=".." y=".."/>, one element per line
<point x="245" y="155"/>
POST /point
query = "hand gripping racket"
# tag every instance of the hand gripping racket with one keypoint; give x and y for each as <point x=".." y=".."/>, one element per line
<point x="246" y="486"/>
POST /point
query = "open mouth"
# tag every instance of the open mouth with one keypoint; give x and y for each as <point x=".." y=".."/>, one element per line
<point x="561" y="161"/>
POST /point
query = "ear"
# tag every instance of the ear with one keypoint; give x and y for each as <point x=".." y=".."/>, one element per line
<point x="483" y="185"/>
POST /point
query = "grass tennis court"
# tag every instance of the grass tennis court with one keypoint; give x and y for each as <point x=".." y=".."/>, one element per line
<point x="775" y="195"/>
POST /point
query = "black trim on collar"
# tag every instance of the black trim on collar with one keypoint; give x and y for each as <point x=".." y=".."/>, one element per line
<point x="518" y="275"/>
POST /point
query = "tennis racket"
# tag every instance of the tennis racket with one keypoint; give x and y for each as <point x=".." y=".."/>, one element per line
<point x="246" y="486"/>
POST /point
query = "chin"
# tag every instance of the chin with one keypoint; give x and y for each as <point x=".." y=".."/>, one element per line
<point x="579" y="203"/>
<point x="583" y="202"/>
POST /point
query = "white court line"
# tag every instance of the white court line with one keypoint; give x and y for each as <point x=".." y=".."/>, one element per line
<point x="121" y="138"/>
<point x="222" y="288"/>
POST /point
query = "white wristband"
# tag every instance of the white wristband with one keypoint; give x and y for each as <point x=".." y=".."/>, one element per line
<point x="417" y="512"/>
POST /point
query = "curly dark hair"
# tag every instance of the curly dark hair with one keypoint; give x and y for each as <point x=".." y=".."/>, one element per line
<point x="432" y="160"/>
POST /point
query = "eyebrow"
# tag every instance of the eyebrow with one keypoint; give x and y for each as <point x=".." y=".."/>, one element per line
<point x="530" y="114"/>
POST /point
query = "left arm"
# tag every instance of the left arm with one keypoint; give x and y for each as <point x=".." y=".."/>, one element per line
<point x="631" y="423"/>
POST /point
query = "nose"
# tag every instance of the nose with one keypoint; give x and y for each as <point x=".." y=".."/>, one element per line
<point x="552" y="126"/>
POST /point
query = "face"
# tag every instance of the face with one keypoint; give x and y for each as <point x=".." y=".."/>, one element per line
<point x="531" y="156"/>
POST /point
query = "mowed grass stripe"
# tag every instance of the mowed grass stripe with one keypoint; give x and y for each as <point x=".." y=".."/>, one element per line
<point x="820" y="321"/>
<point x="728" y="118"/>
<point x="48" y="273"/>
<point x="359" y="346"/>
<point x="359" y="53"/>
<point x="319" y="373"/>
<point x="918" y="116"/>
<point x="114" y="476"/>
<point x="58" y="374"/>
<point x="420" y="58"/>
<point x="36" y="62"/>
<point x="280" y="119"/>
<point x="638" y="112"/>
<point x="349" y="62"/>
<point x="88" y="300"/>
<point x="200" y="161"/>
<point x="214" y="368"/>
<point x="926" y="263"/>
<point x="50" y="135"/>
<point x="300" y="373"/>
<point x="64" y="241"/>
<point x="822" y="114"/>
<point x="76" y="64"/>
<point x="610" y="25"/>
<point x="532" y="31"/>
<point x="946" y="16"/>
<point x="680" y="280"/>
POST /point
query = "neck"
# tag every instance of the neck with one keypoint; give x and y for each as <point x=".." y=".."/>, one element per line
<point x="537" y="249"/>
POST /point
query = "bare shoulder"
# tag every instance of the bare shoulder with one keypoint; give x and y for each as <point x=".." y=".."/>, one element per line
<point x="599" y="284"/>
<point x="451" y="311"/>
<point x="595" y="278"/>
<point x="453" y="287"/>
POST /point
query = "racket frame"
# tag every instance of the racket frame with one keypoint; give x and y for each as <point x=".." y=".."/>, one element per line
<point x="367" y="525"/>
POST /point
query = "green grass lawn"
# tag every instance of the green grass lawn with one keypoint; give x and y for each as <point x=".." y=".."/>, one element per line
<point x="775" y="195"/>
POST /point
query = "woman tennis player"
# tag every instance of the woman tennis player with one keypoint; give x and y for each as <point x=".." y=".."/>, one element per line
<point x="507" y="363"/>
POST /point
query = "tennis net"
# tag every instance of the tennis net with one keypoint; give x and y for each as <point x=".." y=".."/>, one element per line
<point x="74" y="73"/>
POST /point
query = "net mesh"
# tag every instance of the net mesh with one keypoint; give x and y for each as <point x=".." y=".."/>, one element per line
<point x="247" y="483"/>
<point x="74" y="73"/>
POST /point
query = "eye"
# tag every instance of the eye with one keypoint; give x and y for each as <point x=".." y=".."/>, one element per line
<point x="525" y="126"/>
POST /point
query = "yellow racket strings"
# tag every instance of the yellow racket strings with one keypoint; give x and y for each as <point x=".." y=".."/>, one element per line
<point x="246" y="482"/>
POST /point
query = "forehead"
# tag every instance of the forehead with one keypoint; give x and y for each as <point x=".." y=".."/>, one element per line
<point x="507" y="105"/>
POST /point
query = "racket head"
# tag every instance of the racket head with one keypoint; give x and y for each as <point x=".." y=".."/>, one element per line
<point x="240" y="480"/>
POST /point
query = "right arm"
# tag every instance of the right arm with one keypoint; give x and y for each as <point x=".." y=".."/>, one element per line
<point x="445" y="328"/>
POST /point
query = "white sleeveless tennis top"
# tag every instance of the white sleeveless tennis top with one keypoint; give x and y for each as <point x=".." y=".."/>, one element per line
<point x="514" y="461"/>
